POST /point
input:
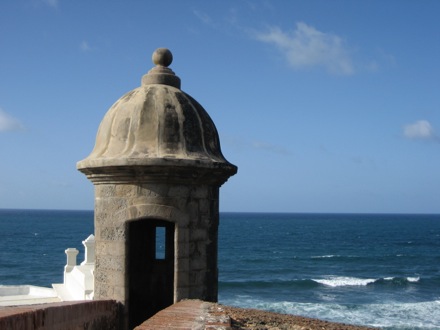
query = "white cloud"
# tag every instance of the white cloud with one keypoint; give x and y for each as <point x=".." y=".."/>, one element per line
<point x="421" y="129"/>
<point x="9" y="123"/>
<point x="307" y="47"/>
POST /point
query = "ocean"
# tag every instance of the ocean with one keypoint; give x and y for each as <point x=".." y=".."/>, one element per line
<point x="380" y="270"/>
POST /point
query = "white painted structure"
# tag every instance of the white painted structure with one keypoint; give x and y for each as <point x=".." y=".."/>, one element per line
<point x="78" y="279"/>
<point x="77" y="284"/>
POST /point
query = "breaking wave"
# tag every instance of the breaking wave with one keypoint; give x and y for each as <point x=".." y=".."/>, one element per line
<point x="330" y="281"/>
<point x="337" y="281"/>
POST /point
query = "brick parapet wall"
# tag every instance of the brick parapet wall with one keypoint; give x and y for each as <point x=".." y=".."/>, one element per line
<point x="88" y="315"/>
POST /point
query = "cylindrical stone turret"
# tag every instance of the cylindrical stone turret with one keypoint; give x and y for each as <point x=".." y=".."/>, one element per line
<point x="157" y="168"/>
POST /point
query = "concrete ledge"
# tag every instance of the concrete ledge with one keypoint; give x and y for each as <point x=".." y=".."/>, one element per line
<point x="189" y="314"/>
<point x="90" y="315"/>
<point x="14" y="295"/>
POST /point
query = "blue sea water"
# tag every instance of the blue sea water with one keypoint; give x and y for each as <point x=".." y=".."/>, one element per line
<point x="376" y="270"/>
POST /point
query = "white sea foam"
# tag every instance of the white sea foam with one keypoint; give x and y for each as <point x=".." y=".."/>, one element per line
<point x="325" y="256"/>
<point x="333" y="256"/>
<point x="423" y="315"/>
<point x="335" y="281"/>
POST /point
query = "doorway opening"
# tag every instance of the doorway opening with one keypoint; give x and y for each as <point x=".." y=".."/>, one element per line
<point x="150" y="268"/>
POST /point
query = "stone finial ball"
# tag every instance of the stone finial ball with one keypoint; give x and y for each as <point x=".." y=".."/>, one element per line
<point x="162" y="56"/>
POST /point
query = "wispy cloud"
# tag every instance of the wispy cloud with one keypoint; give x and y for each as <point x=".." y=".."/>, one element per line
<point x="84" y="46"/>
<point x="205" y="18"/>
<point x="307" y="47"/>
<point x="9" y="123"/>
<point x="229" y="20"/>
<point x="421" y="130"/>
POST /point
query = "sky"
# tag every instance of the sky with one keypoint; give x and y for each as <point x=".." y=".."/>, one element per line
<point x="324" y="106"/>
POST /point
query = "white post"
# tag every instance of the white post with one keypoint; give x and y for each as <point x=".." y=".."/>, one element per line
<point x="89" y="255"/>
<point x="71" y="260"/>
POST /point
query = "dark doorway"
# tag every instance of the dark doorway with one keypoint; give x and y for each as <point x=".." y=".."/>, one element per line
<point x="150" y="268"/>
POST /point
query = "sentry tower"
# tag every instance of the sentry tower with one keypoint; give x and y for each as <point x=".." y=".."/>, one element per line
<point x="157" y="168"/>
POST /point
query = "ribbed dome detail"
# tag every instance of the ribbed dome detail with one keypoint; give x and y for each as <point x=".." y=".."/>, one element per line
<point x="157" y="121"/>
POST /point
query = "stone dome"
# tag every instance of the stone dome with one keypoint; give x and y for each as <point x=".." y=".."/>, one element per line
<point x="157" y="124"/>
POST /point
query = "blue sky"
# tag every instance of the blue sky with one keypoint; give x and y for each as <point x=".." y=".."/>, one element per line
<point x="325" y="106"/>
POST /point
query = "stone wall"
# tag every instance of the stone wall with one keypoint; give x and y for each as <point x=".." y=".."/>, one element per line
<point x="88" y="315"/>
<point x="192" y="208"/>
